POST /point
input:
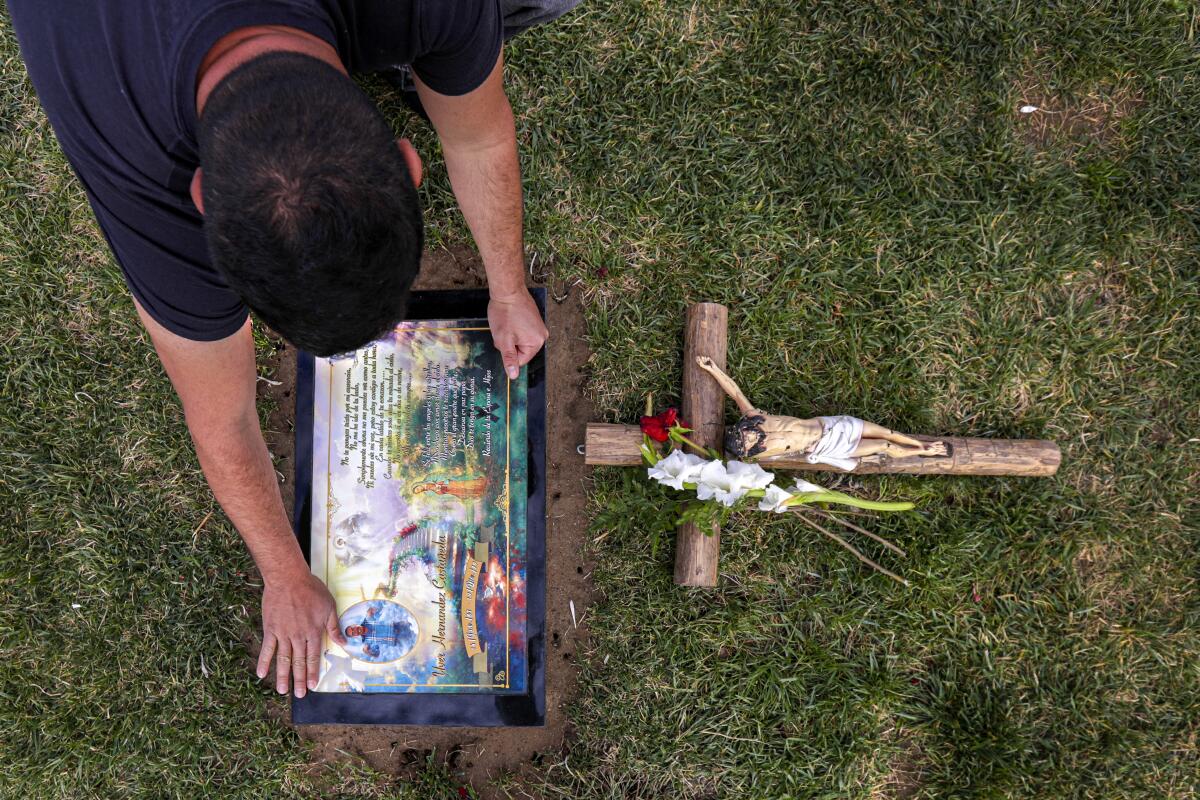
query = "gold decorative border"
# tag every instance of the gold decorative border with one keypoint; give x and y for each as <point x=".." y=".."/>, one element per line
<point x="507" y="523"/>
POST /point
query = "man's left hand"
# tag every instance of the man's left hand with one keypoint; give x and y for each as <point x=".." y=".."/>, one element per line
<point x="517" y="330"/>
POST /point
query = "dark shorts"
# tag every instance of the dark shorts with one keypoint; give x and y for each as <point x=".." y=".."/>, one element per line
<point x="521" y="15"/>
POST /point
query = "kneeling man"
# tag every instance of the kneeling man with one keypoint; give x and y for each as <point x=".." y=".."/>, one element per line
<point x="233" y="165"/>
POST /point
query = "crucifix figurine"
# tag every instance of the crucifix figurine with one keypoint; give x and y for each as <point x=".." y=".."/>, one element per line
<point x="788" y="443"/>
<point x="838" y="441"/>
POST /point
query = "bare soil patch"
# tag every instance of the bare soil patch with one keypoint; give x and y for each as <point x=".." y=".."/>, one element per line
<point x="482" y="754"/>
<point x="904" y="779"/>
<point x="1072" y="121"/>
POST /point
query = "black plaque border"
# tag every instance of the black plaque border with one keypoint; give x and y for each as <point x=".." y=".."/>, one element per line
<point x="465" y="709"/>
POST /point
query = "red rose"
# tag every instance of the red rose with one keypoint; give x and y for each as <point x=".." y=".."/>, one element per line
<point x="652" y="427"/>
<point x="658" y="426"/>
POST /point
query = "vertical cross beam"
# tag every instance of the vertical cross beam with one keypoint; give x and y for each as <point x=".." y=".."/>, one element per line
<point x="707" y="334"/>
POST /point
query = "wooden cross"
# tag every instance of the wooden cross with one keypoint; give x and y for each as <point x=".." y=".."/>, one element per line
<point x="703" y="407"/>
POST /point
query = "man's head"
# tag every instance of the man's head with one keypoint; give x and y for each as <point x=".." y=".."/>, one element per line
<point x="355" y="630"/>
<point x="310" y="208"/>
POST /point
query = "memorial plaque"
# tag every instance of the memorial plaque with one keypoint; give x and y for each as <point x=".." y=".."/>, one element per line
<point x="420" y="498"/>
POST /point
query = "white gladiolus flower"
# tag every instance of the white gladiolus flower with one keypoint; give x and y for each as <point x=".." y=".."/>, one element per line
<point x="676" y="469"/>
<point x="754" y="476"/>
<point x="714" y="482"/>
<point x="728" y="484"/>
<point x="774" y="500"/>
<point x="802" y="486"/>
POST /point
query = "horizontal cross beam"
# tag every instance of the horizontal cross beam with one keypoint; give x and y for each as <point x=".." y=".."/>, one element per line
<point x="620" y="446"/>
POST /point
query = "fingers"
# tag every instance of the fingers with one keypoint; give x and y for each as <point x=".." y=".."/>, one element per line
<point x="517" y="330"/>
<point x="517" y="354"/>
<point x="314" y="662"/>
<point x="264" y="655"/>
<point x="331" y="625"/>
<point x="512" y="362"/>
<point x="283" y="666"/>
<point x="526" y="352"/>
<point x="297" y="661"/>
<point x="299" y="667"/>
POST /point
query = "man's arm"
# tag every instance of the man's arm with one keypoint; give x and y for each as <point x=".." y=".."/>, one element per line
<point x="479" y="141"/>
<point x="216" y="383"/>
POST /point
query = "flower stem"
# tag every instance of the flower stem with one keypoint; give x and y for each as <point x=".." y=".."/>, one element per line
<point x="708" y="451"/>
<point x="648" y="451"/>
<point x="829" y="496"/>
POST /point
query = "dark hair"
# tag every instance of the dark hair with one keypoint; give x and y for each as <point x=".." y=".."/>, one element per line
<point x="310" y="212"/>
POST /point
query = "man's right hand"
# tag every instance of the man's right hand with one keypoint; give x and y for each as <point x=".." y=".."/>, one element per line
<point x="216" y="383"/>
<point x="297" y="612"/>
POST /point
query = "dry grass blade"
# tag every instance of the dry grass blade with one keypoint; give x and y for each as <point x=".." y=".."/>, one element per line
<point x="853" y="550"/>
<point x="861" y="530"/>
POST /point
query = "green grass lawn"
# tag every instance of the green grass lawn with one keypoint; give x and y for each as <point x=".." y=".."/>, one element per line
<point x="893" y="239"/>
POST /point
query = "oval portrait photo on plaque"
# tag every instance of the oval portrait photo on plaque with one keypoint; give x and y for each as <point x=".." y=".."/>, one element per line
<point x="378" y="631"/>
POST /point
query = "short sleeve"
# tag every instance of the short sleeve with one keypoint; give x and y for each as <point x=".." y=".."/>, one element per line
<point x="219" y="19"/>
<point x="460" y="42"/>
<point x="165" y="265"/>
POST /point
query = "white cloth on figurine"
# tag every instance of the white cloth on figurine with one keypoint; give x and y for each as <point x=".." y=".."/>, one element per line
<point x="839" y="439"/>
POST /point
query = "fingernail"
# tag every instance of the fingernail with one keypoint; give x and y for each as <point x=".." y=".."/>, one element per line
<point x="299" y="692"/>
<point x="281" y="689"/>
<point x="312" y="684"/>
<point x="261" y="674"/>
<point x="513" y="372"/>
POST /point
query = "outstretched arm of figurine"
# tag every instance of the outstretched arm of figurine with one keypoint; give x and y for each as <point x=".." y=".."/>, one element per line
<point x="727" y="385"/>
<point x="216" y="383"/>
<point x="833" y="440"/>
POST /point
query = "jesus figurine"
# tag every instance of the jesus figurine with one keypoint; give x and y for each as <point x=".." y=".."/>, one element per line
<point x="838" y="441"/>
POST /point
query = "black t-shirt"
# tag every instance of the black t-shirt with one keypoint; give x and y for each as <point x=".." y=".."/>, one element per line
<point x="117" y="80"/>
